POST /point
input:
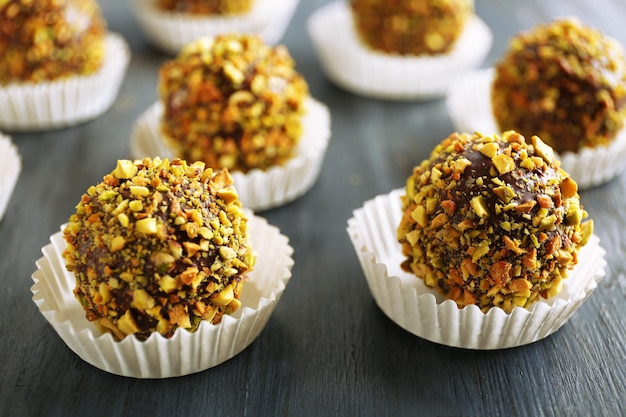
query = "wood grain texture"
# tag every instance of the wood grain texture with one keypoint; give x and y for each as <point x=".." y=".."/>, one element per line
<point x="327" y="349"/>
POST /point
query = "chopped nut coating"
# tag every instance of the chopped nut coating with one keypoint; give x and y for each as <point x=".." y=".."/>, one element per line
<point x="425" y="27"/>
<point x="145" y="266"/>
<point x="45" y="40"/>
<point x="233" y="102"/>
<point x="564" y="82"/>
<point x="492" y="232"/>
<point x="207" y="7"/>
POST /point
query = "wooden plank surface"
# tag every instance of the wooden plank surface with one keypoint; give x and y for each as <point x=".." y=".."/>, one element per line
<point x="327" y="349"/>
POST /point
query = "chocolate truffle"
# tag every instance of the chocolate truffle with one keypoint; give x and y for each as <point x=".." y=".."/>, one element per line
<point x="158" y="245"/>
<point x="234" y="102"/>
<point x="427" y="27"/>
<point x="44" y="40"/>
<point x="492" y="221"/>
<point x="207" y="7"/>
<point x="564" y="82"/>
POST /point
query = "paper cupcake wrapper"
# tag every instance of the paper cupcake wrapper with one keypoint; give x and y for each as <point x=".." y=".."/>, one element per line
<point x="258" y="190"/>
<point x="10" y="167"/>
<point x="67" y="102"/>
<point x="185" y="352"/>
<point x="469" y="107"/>
<point x="349" y="64"/>
<point x="170" y="31"/>
<point x="407" y="301"/>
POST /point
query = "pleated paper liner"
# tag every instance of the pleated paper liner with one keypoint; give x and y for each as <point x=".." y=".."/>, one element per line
<point x="420" y="310"/>
<point x="258" y="190"/>
<point x="185" y="352"/>
<point x="67" y="102"/>
<point x="356" y="68"/>
<point x="169" y="31"/>
<point x="10" y="168"/>
<point x="469" y="106"/>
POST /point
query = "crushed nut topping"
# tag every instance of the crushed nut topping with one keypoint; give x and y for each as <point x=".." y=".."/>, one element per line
<point x="428" y="27"/>
<point x="207" y="7"/>
<point x="487" y="233"/>
<point x="564" y="82"/>
<point x="233" y="102"/>
<point x="177" y="257"/>
<point x="44" y="40"/>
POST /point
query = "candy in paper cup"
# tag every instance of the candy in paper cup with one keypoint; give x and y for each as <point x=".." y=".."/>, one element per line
<point x="67" y="102"/>
<point x="351" y="65"/>
<point x="469" y="107"/>
<point x="421" y="310"/>
<point x="258" y="190"/>
<point x="10" y="167"/>
<point x="184" y="353"/>
<point x="169" y="31"/>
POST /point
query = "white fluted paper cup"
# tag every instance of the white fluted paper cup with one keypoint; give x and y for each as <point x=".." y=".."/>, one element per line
<point x="169" y="31"/>
<point x="66" y="102"/>
<point x="421" y="310"/>
<point x="354" y="67"/>
<point x="184" y="353"/>
<point x="469" y="107"/>
<point x="10" y="167"/>
<point x="258" y="190"/>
